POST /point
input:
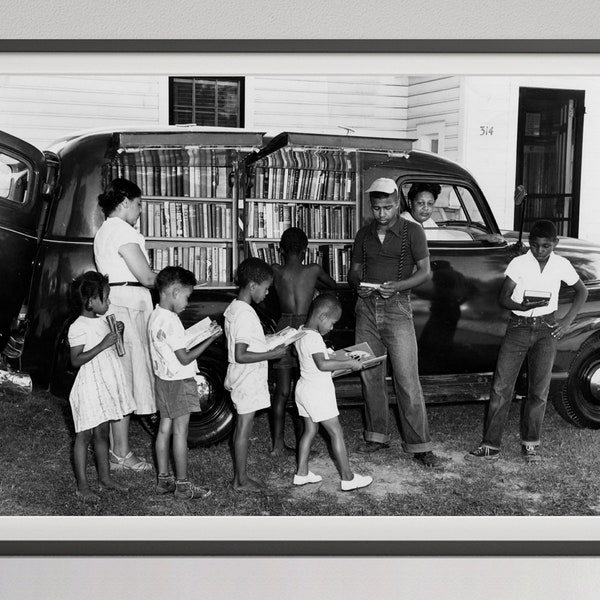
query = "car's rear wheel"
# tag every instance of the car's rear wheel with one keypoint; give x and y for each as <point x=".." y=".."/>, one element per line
<point x="579" y="400"/>
<point x="216" y="420"/>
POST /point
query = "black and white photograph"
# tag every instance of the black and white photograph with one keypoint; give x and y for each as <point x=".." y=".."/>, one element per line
<point x="376" y="221"/>
<point x="411" y="214"/>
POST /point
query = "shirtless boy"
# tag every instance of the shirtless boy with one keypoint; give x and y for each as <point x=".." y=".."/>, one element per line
<point x="295" y="285"/>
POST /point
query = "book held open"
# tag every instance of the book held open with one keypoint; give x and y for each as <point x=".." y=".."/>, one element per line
<point x="286" y="336"/>
<point x="201" y="331"/>
<point x="362" y="352"/>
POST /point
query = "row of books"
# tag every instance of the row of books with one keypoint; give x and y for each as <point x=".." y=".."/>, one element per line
<point x="186" y="219"/>
<point x="267" y="219"/>
<point x="302" y="184"/>
<point x="316" y="174"/>
<point x="208" y="263"/>
<point x="187" y="172"/>
<point x="334" y="258"/>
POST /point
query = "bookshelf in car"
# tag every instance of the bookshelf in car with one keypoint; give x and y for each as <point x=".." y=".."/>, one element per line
<point x="190" y="195"/>
<point x="310" y="181"/>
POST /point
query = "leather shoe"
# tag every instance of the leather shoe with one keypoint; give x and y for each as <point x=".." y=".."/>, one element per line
<point x="369" y="447"/>
<point x="429" y="459"/>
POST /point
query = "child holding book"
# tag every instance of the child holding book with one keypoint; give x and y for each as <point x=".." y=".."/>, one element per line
<point x="247" y="372"/>
<point x="176" y="391"/>
<point x="315" y="393"/>
<point x="532" y="331"/>
<point x="295" y="285"/>
<point x="99" y="394"/>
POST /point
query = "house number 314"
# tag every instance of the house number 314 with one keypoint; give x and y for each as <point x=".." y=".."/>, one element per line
<point x="486" y="130"/>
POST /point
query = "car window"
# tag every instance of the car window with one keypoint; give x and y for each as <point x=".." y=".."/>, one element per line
<point x="455" y="214"/>
<point x="14" y="179"/>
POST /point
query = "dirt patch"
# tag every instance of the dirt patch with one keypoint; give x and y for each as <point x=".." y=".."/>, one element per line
<point x="399" y="476"/>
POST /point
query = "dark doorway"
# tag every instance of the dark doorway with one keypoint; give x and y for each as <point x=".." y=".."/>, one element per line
<point x="549" y="139"/>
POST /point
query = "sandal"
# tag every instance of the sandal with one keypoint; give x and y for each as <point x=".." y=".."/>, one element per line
<point x="131" y="462"/>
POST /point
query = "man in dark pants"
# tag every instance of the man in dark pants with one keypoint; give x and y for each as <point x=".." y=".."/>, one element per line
<point x="391" y="254"/>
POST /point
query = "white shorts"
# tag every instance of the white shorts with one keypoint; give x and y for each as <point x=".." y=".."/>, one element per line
<point x="316" y="405"/>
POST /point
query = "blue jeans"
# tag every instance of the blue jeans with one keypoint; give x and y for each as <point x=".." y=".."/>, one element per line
<point x="531" y="337"/>
<point x="387" y="326"/>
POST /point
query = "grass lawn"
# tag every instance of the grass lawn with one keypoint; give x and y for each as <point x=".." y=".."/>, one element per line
<point x="36" y="438"/>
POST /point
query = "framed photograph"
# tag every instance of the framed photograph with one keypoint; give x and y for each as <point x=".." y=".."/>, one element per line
<point x="466" y="107"/>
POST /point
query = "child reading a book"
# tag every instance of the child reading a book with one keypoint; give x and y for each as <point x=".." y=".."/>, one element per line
<point x="99" y="393"/>
<point x="530" y="291"/>
<point x="247" y="353"/>
<point x="174" y="366"/>
<point x="315" y="393"/>
<point x="295" y="285"/>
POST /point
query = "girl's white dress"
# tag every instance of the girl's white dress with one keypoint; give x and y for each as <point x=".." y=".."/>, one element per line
<point x="100" y="392"/>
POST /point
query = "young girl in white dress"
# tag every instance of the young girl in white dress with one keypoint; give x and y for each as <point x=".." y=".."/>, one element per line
<point x="99" y="393"/>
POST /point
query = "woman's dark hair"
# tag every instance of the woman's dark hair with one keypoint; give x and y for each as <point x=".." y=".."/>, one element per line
<point x="293" y="241"/>
<point x="174" y="275"/>
<point x="85" y="288"/>
<point x="417" y="188"/>
<point x="253" y="269"/>
<point x="116" y="192"/>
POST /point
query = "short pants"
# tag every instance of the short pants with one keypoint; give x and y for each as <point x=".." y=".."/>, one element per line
<point x="177" y="398"/>
<point x="316" y="404"/>
<point x="289" y="360"/>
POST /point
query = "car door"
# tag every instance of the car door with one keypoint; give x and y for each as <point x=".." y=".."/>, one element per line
<point x="22" y="174"/>
<point x="458" y="320"/>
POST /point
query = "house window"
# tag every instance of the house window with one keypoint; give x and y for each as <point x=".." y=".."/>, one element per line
<point x="209" y="101"/>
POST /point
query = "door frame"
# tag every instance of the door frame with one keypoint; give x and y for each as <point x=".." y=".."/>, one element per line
<point x="557" y="94"/>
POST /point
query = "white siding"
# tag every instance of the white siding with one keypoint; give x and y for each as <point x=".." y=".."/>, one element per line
<point x="40" y="109"/>
<point x="494" y="101"/>
<point x="371" y="106"/>
<point x="433" y="109"/>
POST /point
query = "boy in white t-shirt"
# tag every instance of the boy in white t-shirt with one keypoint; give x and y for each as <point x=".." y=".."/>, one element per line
<point x="532" y="330"/>
<point x="248" y="356"/>
<point x="176" y="389"/>
<point x="315" y="393"/>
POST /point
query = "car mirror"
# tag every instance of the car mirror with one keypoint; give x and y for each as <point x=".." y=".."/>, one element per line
<point x="520" y="198"/>
<point x="520" y="195"/>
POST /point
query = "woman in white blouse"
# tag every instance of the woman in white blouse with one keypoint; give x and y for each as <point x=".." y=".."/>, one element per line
<point x="120" y="253"/>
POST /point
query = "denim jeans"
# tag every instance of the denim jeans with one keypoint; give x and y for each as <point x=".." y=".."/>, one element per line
<point x="524" y="337"/>
<point x="387" y="326"/>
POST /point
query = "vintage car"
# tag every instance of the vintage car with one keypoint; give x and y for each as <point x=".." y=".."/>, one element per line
<point x="49" y="215"/>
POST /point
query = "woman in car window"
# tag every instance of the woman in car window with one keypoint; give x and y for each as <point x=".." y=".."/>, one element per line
<point x="120" y="253"/>
<point x="420" y="200"/>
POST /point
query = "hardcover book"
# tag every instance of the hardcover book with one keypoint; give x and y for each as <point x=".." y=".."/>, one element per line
<point x="201" y="331"/>
<point x="286" y="336"/>
<point x="362" y="352"/>
<point x="536" y="296"/>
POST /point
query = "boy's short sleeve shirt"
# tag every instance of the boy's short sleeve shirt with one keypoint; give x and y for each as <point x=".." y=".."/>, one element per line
<point x="312" y="343"/>
<point x="383" y="259"/>
<point x="167" y="334"/>
<point x="247" y="382"/>
<point x="525" y="272"/>
<point x="242" y="326"/>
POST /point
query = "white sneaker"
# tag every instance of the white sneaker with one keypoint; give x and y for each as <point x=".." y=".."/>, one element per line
<point x="309" y="478"/>
<point x="358" y="481"/>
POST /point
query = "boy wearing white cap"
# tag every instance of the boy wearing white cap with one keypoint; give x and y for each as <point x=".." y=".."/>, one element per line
<point x="391" y="252"/>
